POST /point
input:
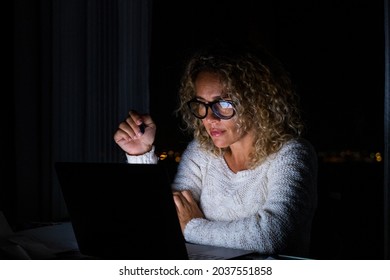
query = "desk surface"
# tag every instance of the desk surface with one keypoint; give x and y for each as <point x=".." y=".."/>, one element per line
<point x="57" y="241"/>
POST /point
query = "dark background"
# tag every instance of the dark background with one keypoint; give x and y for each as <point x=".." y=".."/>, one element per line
<point x="334" y="51"/>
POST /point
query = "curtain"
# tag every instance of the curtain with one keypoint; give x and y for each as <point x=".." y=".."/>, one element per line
<point x="101" y="70"/>
<point x="80" y="66"/>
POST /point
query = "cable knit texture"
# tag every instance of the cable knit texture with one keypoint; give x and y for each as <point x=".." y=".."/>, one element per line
<point x="268" y="209"/>
<point x="149" y="157"/>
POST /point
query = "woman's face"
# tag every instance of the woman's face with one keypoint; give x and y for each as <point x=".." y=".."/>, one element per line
<point x="223" y="132"/>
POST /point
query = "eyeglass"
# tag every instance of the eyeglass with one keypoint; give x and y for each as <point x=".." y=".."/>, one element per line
<point x="223" y="109"/>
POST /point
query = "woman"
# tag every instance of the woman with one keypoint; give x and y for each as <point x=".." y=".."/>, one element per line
<point x="248" y="178"/>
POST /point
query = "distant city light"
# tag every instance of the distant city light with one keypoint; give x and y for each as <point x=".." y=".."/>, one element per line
<point x="350" y="156"/>
<point x="163" y="156"/>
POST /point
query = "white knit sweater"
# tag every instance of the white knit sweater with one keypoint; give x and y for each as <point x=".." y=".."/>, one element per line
<point x="268" y="209"/>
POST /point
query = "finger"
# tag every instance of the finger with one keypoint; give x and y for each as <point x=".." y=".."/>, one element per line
<point x="188" y="195"/>
<point x="133" y="120"/>
<point x="135" y="117"/>
<point x="131" y="125"/>
<point x="139" y="123"/>
<point x="125" y="128"/>
<point x="147" y="120"/>
<point x="121" y="135"/>
<point x="177" y="198"/>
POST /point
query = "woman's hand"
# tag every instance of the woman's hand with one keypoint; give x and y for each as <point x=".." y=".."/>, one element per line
<point x="186" y="207"/>
<point x="130" y="136"/>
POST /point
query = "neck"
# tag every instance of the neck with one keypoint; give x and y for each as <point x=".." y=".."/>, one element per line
<point x="237" y="157"/>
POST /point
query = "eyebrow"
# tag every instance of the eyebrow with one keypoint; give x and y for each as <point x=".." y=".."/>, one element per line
<point x="220" y="97"/>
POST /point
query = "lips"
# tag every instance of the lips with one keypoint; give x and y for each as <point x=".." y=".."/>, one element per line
<point x="216" y="132"/>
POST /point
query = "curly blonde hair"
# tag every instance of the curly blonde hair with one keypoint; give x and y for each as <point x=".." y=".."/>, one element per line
<point x="261" y="90"/>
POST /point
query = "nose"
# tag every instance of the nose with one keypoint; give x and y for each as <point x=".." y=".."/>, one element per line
<point x="211" y="117"/>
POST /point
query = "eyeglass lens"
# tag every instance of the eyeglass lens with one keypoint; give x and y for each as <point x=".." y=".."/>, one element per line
<point x="221" y="108"/>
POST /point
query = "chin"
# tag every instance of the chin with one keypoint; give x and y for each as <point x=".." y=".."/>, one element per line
<point x="220" y="145"/>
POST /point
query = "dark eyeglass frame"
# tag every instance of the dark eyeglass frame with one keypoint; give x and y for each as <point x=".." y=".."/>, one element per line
<point x="211" y="106"/>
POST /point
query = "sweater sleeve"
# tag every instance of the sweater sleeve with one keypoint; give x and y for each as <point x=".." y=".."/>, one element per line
<point x="189" y="172"/>
<point x="285" y="216"/>
<point x="149" y="157"/>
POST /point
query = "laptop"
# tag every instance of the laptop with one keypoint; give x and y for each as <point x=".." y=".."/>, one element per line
<point x="126" y="211"/>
